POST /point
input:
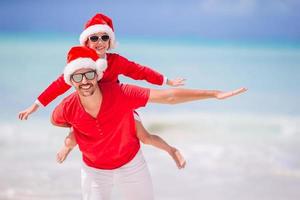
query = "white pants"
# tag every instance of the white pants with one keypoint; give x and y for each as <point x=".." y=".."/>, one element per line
<point x="133" y="179"/>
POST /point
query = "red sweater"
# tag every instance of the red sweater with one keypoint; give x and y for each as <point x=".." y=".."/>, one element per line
<point x="116" y="65"/>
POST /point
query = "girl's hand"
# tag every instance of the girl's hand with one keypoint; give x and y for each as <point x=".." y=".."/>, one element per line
<point x="176" y="82"/>
<point x="23" y="115"/>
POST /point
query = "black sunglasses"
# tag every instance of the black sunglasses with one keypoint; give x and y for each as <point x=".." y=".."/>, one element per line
<point x="96" y="38"/>
<point x="77" y="78"/>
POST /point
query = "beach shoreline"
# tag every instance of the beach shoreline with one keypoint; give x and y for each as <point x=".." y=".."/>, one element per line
<point x="228" y="155"/>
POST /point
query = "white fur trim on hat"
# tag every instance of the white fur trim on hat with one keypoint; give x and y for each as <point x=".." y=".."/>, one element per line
<point x="84" y="63"/>
<point x="96" y="29"/>
<point x="102" y="63"/>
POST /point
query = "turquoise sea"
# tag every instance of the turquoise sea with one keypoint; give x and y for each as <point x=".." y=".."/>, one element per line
<point x="270" y="70"/>
<point x="244" y="148"/>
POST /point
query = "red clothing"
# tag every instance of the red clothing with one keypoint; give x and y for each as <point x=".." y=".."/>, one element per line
<point x="108" y="141"/>
<point x="116" y="65"/>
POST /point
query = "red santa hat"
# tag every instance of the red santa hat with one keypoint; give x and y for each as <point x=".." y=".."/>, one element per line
<point x="98" y="23"/>
<point x="83" y="57"/>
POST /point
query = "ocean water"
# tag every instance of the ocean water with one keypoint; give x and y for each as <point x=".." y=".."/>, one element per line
<point x="243" y="148"/>
<point x="269" y="70"/>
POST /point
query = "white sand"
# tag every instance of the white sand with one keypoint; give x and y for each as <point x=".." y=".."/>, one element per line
<point x="229" y="157"/>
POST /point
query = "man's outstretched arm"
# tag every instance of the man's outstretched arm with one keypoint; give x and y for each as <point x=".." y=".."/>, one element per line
<point x="178" y="95"/>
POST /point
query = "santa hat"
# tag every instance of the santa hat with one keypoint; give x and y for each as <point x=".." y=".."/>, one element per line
<point x="83" y="57"/>
<point x="98" y="23"/>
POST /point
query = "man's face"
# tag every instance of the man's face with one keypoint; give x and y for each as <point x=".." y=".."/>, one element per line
<point x="99" y="42"/>
<point x="84" y="81"/>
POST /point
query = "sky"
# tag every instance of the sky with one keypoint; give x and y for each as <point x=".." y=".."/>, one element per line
<point x="215" y="19"/>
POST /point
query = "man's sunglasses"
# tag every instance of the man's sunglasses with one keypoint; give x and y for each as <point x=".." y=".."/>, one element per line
<point x="96" y="38"/>
<point x="77" y="78"/>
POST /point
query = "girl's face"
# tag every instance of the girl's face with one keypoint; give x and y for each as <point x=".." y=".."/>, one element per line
<point x="99" y="42"/>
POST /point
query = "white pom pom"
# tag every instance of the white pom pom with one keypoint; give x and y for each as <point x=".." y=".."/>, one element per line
<point x="100" y="75"/>
<point x="101" y="64"/>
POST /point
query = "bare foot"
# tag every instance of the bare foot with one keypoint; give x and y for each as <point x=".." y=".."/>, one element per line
<point x="178" y="158"/>
<point x="62" y="154"/>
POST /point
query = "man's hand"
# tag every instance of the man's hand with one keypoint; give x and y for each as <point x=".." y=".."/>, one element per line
<point x="23" y="115"/>
<point x="224" y="95"/>
<point x="176" y="82"/>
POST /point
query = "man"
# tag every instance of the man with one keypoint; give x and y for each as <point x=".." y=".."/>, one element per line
<point x="101" y="116"/>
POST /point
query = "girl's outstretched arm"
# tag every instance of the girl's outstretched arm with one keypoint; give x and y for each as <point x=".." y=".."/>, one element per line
<point x="23" y="115"/>
<point x="56" y="88"/>
<point x="142" y="72"/>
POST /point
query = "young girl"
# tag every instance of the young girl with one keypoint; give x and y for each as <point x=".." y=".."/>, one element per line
<point x="99" y="35"/>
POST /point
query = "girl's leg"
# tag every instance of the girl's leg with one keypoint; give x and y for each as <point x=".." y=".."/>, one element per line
<point x="158" y="142"/>
<point x="69" y="144"/>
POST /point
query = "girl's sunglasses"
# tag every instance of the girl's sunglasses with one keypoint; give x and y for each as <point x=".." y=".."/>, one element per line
<point x="77" y="78"/>
<point x="96" y="38"/>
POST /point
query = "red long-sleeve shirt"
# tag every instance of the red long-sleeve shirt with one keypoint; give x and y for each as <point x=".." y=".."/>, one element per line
<point x="116" y="65"/>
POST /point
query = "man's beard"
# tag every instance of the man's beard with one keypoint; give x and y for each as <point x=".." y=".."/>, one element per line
<point x="86" y="89"/>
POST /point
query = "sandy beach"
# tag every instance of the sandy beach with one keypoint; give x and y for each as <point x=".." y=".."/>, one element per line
<point x="229" y="156"/>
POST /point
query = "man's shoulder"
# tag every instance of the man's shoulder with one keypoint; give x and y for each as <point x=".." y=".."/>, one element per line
<point x="126" y="87"/>
<point x="125" y="95"/>
<point x="121" y="87"/>
<point x="62" y="112"/>
<point x="110" y="87"/>
<point x="129" y="90"/>
<point x="69" y="100"/>
<point x="114" y="88"/>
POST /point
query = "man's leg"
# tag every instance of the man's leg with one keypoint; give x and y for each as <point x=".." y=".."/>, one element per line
<point x="134" y="179"/>
<point x="96" y="184"/>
